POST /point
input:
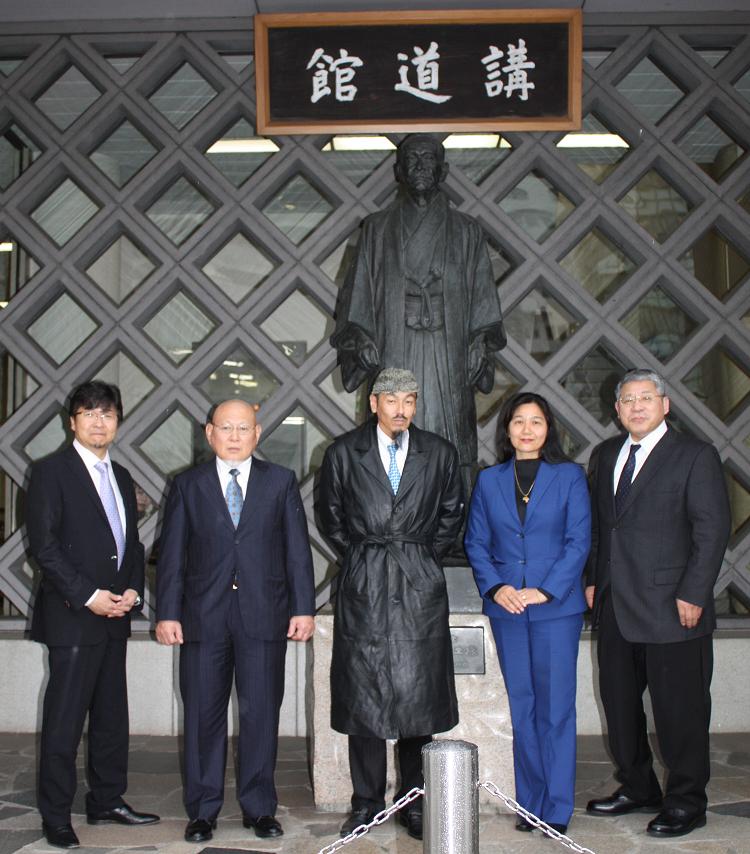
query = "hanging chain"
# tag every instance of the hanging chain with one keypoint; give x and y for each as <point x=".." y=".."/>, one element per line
<point x="382" y="816"/>
<point x="533" y="820"/>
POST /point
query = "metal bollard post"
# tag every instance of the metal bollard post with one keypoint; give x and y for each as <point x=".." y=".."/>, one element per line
<point x="451" y="800"/>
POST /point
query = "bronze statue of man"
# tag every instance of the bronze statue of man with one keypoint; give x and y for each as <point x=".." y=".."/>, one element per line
<point x="420" y="294"/>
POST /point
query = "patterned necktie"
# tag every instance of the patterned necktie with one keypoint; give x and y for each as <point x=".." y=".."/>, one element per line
<point x="394" y="475"/>
<point x="234" y="497"/>
<point x="109" y="502"/>
<point x="626" y="479"/>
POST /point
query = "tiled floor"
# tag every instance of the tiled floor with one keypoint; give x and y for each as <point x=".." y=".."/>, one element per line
<point x="155" y="786"/>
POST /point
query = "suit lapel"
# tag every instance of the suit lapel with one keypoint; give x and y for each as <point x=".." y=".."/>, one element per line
<point x="545" y="476"/>
<point x="416" y="460"/>
<point x="370" y="459"/>
<point x="83" y="478"/>
<point x="210" y="486"/>
<point x="656" y="460"/>
<point x="606" y="468"/>
<point x="506" y="486"/>
<point x="255" y="487"/>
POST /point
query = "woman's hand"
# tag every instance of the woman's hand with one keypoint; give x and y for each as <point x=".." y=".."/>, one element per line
<point x="533" y="596"/>
<point x="515" y="601"/>
<point x="509" y="598"/>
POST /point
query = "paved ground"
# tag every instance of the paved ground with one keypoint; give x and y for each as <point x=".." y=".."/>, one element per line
<point x="155" y="786"/>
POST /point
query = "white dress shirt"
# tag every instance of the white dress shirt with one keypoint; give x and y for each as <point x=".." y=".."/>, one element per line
<point x="385" y="455"/>
<point x="223" y="467"/>
<point x="647" y="443"/>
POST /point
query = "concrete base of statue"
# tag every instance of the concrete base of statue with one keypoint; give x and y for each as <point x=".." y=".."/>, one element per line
<point x="484" y="719"/>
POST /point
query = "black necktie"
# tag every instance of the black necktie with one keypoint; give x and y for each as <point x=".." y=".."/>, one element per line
<point x="626" y="480"/>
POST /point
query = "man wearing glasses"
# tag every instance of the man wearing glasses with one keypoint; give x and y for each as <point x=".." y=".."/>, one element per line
<point x="234" y="582"/>
<point x="661" y="523"/>
<point x="82" y="525"/>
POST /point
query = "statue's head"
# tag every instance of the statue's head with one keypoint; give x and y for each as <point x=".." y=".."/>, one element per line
<point x="420" y="164"/>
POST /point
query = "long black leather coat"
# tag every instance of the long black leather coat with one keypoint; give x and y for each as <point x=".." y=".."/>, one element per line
<point x="392" y="664"/>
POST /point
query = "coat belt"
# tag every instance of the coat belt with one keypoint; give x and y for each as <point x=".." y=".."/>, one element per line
<point x="387" y="539"/>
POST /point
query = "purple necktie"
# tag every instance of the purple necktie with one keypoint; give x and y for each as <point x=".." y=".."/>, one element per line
<point x="107" y="495"/>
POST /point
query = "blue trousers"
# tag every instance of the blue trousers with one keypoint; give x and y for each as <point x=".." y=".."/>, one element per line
<point x="538" y="661"/>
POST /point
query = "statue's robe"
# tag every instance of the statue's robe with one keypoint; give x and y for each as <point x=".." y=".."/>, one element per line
<point x="421" y="292"/>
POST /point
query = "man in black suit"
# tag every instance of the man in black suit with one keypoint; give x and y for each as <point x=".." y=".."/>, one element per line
<point x="234" y="582"/>
<point x="661" y="523"/>
<point x="83" y="532"/>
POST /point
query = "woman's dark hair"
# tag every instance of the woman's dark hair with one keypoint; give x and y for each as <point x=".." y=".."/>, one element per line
<point x="551" y="452"/>
<point x="94" y="395"/>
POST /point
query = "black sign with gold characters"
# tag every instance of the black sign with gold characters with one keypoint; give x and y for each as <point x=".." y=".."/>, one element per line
<point x="426" y="71"/>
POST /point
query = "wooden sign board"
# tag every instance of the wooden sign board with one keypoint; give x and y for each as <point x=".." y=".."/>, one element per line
<point x="365" y="72"/>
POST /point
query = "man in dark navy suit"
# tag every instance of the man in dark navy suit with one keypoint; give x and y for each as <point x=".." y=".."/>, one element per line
<point x="82" y="526"/>
<point x="661" y="523"/>
<point x="234" y="582"/>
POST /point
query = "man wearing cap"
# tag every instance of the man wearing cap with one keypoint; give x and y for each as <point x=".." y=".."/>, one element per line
<point x="391" y="503"/>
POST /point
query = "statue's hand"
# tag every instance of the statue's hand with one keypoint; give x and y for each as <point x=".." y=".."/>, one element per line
<point x="367" y="356"/>
<point x="477" y="361"/>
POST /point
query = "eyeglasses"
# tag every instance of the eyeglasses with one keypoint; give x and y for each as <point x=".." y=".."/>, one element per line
<point x="90" y="416"/>
<point x="647" y="398"/>
<point x="228" y="429"/>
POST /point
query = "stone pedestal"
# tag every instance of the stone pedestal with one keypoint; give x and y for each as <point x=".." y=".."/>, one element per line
<point x="484" y="719"/>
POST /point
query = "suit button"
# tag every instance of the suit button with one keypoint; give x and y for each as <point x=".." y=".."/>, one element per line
<point x="114" y="557"/>
<point x="522" y="562"/>
<point x="236" y="542"/>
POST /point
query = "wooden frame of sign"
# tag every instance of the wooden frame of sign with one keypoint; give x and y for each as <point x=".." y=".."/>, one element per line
<point x="450" y="71"/>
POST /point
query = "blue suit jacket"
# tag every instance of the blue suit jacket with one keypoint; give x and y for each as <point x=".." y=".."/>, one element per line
<point x="200" y="551"/>
<point x="548" y="551"/>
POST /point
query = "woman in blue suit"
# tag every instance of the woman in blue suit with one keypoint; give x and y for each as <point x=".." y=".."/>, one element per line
<point x="527" y="538"/>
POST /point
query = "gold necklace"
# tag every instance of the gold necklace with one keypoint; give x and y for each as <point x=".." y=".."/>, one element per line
<point x="524" y="495"/>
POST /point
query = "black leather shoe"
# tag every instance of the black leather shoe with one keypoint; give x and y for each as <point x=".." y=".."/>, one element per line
<point x="361" y="815"/>
<point x="265" y="826"/>
<point x="199" y="830"/>
<point x="61" y="837"/>
<point x="412" y="821"/>
<point x="523" y="825"/>
<point x="675" y="822"/>
<point x="560" y="828"/>
<point x="123" y="814"/>
<point x="621" y="804"/>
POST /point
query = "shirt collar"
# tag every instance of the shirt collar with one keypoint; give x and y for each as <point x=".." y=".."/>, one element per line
<point x="649" y="441"/>
<point x="384" y="440"/>
<point x="228" y="465"/>
<point x="89" y="458"/>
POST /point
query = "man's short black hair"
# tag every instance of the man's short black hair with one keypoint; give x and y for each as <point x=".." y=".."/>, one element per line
<point x="95" y="394"/>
